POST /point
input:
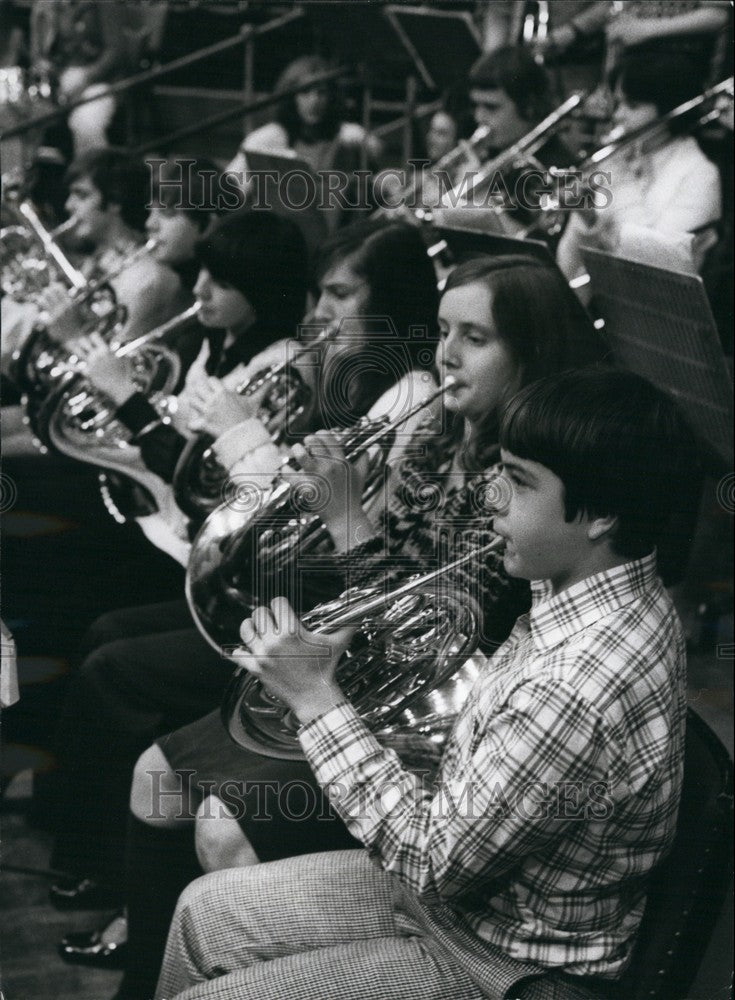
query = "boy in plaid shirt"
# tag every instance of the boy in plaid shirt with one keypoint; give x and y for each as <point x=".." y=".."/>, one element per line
<point x="521" y="872"/>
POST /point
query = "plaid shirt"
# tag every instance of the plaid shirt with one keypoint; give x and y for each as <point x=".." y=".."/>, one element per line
<point x="559" y="785"/>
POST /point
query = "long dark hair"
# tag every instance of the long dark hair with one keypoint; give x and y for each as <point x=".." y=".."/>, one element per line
<point x="541" y="322"/>
<point x="403" y="301"/>
<point x="300" y="71"/>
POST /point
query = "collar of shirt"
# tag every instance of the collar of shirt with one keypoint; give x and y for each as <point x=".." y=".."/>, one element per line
<point x="555" y="619"/>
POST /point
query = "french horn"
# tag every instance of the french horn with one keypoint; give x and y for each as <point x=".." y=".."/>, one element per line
<point x="81" y="423"/>
<point x="199" y="478"/>
<point x="248" y="548"/>
<point x="405" y="672"/>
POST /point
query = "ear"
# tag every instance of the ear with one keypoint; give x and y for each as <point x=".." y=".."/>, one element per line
<point x="598" y="527"/>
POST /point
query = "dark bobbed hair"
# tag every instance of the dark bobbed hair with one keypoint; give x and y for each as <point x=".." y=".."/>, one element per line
<point x="264" y="257"/>
<point x="619" y="445"/>
<point x="538" y="318"/>
<point x="189" y="186"/>
<point x="301" y="71"/>
<point x="664" y="79"/>
<point x="121" y="180"/>
<point x="513" y="69"/>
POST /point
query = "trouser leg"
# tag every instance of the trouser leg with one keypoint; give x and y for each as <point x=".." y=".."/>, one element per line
<point x="318" y="927"/>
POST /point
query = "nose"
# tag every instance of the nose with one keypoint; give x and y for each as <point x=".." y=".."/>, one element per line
<point x="151" y="223"/>
<point x="449" y="353"/>
<point x="201" y="288"/>
<point x="324" y="311"/>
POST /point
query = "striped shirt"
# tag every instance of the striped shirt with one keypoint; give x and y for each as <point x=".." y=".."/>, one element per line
<point x="559" y="785"/>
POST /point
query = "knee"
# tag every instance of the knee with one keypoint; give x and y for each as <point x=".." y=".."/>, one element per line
<point x="159" y="796"/>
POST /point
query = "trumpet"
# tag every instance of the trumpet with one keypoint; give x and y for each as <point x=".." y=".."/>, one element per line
<point x="199" y="478"/>
<point x="80" y="423"/>
<point x="403" y="675"/>
<point x="239" y="553"/>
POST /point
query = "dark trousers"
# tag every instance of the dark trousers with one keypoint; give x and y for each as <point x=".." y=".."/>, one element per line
<point x="64" y="563"/>
<point x="125" y="694"/>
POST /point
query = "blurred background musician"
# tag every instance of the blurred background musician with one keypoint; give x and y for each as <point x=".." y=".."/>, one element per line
<point x="311" y="125"/>
<point x="79" y="46"/>
<point x="664" y="192"/>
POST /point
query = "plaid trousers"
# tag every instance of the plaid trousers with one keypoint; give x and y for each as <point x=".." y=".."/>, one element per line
<point x="322" y="927"/>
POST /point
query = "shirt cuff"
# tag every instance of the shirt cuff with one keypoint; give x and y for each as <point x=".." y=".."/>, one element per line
<point x="137" y="413"/>
<point x="337" y="741"/>
<point x="236" y="442"/>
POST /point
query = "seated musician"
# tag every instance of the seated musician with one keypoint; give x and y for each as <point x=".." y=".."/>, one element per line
<point x="502" y="321"/>
<point x="108" y="195"/>
<point x="159" y="286"/>
<point x="521" y="869"/>
<point x="664" y="199"/>
<point x="510" y="94"/>
<point x="311" y="124"/>
<point x="81" y="48"/>
<point x="251" y="287"/>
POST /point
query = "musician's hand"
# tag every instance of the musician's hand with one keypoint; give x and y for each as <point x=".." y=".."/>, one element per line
<point x="59" y="313"/>
<point x="338" y="483"/>
<point x="110" y="374"/>
<point x="295" y="665"/>
<point x="215" y="409"/>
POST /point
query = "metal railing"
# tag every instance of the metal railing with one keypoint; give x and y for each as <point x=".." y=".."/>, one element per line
<point x="246" y="38"/>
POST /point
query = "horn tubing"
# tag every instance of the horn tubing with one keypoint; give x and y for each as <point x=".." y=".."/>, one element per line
<point x="347" y="616"/>
<point x="160" y="331"/>
<point x="723" y="87"/>
<point x="75" y="277"/>
<point x="269" y="372"/>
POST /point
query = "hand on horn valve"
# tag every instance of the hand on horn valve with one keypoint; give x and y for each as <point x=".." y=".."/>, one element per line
<point x="295" y="665"/>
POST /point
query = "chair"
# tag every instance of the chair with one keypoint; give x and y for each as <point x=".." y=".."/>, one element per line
<point x="688" y="888"/>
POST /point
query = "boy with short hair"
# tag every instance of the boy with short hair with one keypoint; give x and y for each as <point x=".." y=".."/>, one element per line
<point x="522" y="871"/>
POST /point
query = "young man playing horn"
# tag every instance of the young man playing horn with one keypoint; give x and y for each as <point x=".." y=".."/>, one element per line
<point x="522" y="870"/>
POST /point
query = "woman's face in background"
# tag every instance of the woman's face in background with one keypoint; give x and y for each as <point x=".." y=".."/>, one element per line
<point x="441" y="137"/>
<point x="312" y="104"/>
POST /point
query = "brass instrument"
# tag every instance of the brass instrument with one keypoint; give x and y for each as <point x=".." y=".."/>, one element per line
<point x="199" y="479"/>
<point x="248" y="546"/>
<point x="40" y="360"/>
<point x="24" y="271"/>
<point x="403" y="674"/>
<point x="522" y="151"/>
<point x="81" y="423"/>
<point x="618" y="141"/>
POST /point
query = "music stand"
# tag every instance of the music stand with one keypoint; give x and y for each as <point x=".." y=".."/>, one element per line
<point x="465" y="240"/>
<point x="287" y="183"/>
<point x="443" y="44"/>
<point x="659" y="324"/>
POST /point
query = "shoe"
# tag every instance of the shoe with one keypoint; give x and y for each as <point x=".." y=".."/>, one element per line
<point x="88" y="948"/>
<point x="82" y="894"/>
